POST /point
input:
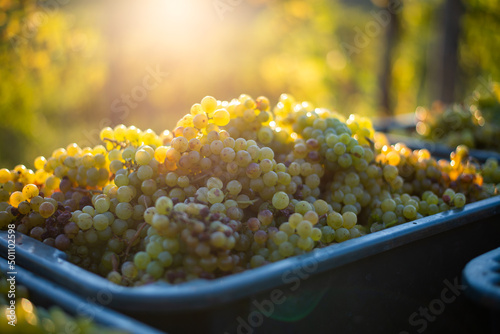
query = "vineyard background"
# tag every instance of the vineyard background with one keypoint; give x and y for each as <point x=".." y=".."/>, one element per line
<point x="71" y="67"/>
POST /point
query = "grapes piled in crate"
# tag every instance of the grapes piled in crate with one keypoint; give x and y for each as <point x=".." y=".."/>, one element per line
<point x="234" y="186"/>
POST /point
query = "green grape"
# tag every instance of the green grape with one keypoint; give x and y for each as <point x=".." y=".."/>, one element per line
<point x="142" y="157"/>
<point x="165" y="259"/>
<point x="215" y="195"/>
<point x="342" y="234"/>
<point x="208" y="104"/>
<point x="101" y="222"/>
<point x="145" y="172"/>
<point x="102" y="205"/>
<point x="316" y="234"/>
<point x="155" y="269"/>
<point x="459" y="200"/>
<point x="164" y="205"/>
<point x="46" y="209"/>
<point x="349" y="220"/>
<point x="327" y="234"/>
<point x="29" y="191"/>
<point x="388" y="204"/>
<point x="410" y="212"/>
<point x="304" y="229"/>
<point x="286" y="249"/>
<point x="124" y="210"/>
<point x="280" y="200"/>
<point x="335" y="220"/>
<point x="141" y="260"/>
<point x="221" y="117"/>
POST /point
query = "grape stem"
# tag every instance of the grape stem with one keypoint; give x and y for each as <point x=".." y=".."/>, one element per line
<point x="114" y="262"/>
<point x="116" y="142"/>
<point x="201" y="177"/>
<point x="247" y="202"/>
<point x="134" y="238"/>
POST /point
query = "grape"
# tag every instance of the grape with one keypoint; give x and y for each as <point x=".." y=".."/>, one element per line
<point x="101" y="222"/>
<point x="208" y="104"/>
<point x="286" y="249"/>
<point x="89" y="210"/>
<point x="459" y="200"/>
<point x="16" y="198"/>
<point x="200" y="121"/>
<point x="62" y="242"/>
<point x="388" y="204"/>
<point x="221" y="117"/>
<point x="164" y="205"/>
<point x="260" y="237"/>
<point x="339" y="149"/>
<point x="141" y="260"/>
<point x="46" y="209"/>
<point x="234" y="187"/>
<point x="349" y="220"/>
<point x="215" y="195"/>
<point x="280" y="200"/>
<point x="153" y="249"/>
<point x="144" y="173"/>
<point x="214" y="182"/>
<point x="335" y="220"/>
<point x="342" y="234"/>
<point x="410" y="212"/>
<point x="124" y="194"/>
<point x="102" y="205"/>
<point x="29" y="191"/>
<point x="389" y="217"/>
<point x="311" y="216"/>
<point x="124" y="210"/>
<point x="390" y="172"/>
<point x="142" y="157"/>
<point x="280" y="237"/>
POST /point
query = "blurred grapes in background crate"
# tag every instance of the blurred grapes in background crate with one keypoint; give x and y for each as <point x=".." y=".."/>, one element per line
<point x="474" y="123"/>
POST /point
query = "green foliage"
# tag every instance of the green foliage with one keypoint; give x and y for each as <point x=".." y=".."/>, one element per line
<point x="47" y="72"/>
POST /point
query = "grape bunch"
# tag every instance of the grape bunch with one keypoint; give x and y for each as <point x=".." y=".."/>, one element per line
<point x="31" y="319"/>
<point x="235" y="185"/>
<point x="475" y="122"/>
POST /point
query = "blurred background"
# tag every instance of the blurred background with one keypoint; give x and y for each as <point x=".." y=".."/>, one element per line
<point x="70" y="67"/>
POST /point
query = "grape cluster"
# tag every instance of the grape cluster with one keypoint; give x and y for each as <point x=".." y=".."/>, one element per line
<point x="235" y="185"/>
<point x="35" y="319"/>
<point x="475" y="123"/>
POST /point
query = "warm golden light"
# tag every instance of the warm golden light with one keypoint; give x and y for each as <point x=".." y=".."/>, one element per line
<point x="26" y="305"/>
<point x="31" y="319"/>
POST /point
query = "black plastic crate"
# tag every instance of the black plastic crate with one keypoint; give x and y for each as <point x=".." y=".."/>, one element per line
<point x="482" y="277"/>
<point x="47" y="294"/>
<point x="378" y="283"/>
